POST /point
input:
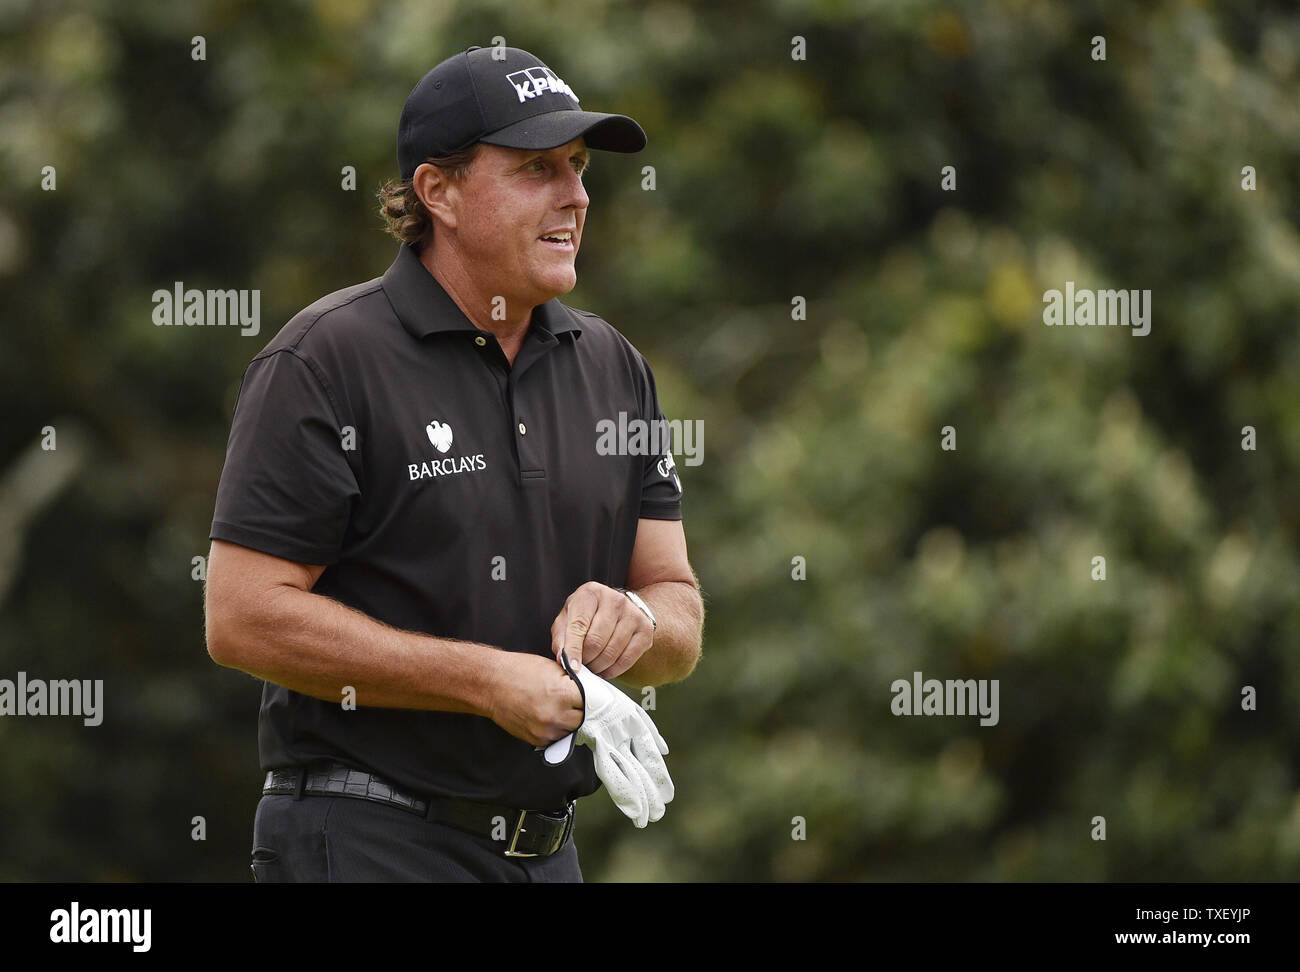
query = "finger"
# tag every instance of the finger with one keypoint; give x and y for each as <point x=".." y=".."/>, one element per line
<point x="648" y="756"/>
<point x="568" y="670"/>
<point x="638" y="788"/>
<point x="637" y="646"/>
<point x="652" y="806"/>
<point x="575" y="717"/>
<point x="598" y="640"/>
<point x="653" y="731"/>
<point x="615" y="647"/>
<point x="657" y="795"/>
<point x="657" y="778"/>
<point x="557" y="631"/>
<point x="572" y="717"/>
<point x="646" y="747"/>
<point x="571" y="722"/>
<point x="579" y="610"/>
<point x="627" y="792"/>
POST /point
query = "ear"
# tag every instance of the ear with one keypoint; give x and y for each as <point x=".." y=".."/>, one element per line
<point x="437" y="192"/>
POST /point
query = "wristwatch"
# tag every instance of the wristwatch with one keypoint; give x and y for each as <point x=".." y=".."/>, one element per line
<point x="654" y="625"/>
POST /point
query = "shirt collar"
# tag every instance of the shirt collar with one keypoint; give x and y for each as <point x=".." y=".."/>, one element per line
<point x="424" y="307"/>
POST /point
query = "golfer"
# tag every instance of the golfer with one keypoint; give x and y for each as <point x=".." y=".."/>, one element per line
<point x="414" y="521"/>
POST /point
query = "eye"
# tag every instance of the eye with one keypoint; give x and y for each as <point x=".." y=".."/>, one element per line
<point x="580" y="165"/>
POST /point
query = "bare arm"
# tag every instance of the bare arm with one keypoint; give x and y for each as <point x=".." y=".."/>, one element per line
<point x="614" y="638"/>
<point x="660" y="573"/>
<point x="675" y="651"/>
<point x="262" y="618"/>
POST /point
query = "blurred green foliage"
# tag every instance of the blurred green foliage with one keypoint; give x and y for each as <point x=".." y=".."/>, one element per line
<point x="775" y="178"/>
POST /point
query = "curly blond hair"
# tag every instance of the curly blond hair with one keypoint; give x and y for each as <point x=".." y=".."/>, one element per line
<point x="400" y="208"/>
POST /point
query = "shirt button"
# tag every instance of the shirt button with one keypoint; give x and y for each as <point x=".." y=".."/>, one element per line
<point x="522" y="430"/>
<point x="480" y="340"/>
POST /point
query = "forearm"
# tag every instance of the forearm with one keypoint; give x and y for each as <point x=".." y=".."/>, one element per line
<point x="679" y="613"/>
<point x="317" y="646"/>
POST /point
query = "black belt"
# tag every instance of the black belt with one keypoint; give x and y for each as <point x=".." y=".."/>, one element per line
<point x="524" y="833"/>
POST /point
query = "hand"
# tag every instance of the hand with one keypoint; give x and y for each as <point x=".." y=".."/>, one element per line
<point x="534" y="699"/>
<point x="601" y="629"/>
<point x="629" y="751"/>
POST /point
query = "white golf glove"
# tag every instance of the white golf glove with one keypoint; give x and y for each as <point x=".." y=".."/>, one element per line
<point x="628" y="749"/>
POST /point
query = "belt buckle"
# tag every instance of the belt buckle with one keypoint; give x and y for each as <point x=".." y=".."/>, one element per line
<point x="519" y="829"/>
<point x="514" y="838"/>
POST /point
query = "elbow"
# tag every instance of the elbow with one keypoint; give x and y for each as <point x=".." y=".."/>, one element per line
<point x="226" y="633"/>
<point x="223" y="648"/>
<point x="679" y="665"/>
<point x="688" y="656"/>
<point x="240" y="632"/>
<point x="688" y="663"/>
<point x="244" y="606"/>
<point x="696" y="651"/>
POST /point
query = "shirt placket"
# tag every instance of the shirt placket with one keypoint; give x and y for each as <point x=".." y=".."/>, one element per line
<point x="524" y="432"/>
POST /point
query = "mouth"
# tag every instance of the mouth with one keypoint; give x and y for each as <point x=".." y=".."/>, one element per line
<point x="562" y="241"/>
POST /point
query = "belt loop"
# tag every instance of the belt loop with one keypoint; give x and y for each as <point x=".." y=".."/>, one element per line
<point x="301" y="784"/>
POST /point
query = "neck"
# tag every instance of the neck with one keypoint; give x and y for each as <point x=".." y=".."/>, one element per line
<point x="484" y="309"/>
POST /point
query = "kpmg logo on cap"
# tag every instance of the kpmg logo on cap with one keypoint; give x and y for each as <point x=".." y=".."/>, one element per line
<point x="534" y="81"/>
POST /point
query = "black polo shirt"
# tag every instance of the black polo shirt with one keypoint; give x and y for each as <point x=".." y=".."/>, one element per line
<point x="382" y="434"/>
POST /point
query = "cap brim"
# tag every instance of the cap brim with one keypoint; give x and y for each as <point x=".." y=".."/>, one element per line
<point x="606" y="133"/>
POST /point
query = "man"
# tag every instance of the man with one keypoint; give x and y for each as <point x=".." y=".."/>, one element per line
<point x="413" y="522"/>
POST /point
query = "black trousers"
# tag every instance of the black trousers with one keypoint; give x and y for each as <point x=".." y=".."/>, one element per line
<point x="343" y="839"/>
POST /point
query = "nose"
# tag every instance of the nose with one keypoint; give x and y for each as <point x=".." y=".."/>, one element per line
<point x="575" y="193"/>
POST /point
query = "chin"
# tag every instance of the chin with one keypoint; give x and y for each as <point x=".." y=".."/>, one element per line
<point x="560" y="287"/>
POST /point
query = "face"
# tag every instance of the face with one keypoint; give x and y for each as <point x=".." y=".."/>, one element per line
<point x="505" y="207"/>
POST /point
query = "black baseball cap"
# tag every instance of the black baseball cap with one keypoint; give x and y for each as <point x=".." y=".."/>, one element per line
<point x="502" y="96"/>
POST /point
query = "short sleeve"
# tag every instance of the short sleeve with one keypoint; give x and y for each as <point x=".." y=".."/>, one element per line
<point x="287" y="488"/>
<point x="661" y="489"/>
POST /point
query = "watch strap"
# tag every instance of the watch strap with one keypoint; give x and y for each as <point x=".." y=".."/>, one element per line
<point x="635" y="599"/>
